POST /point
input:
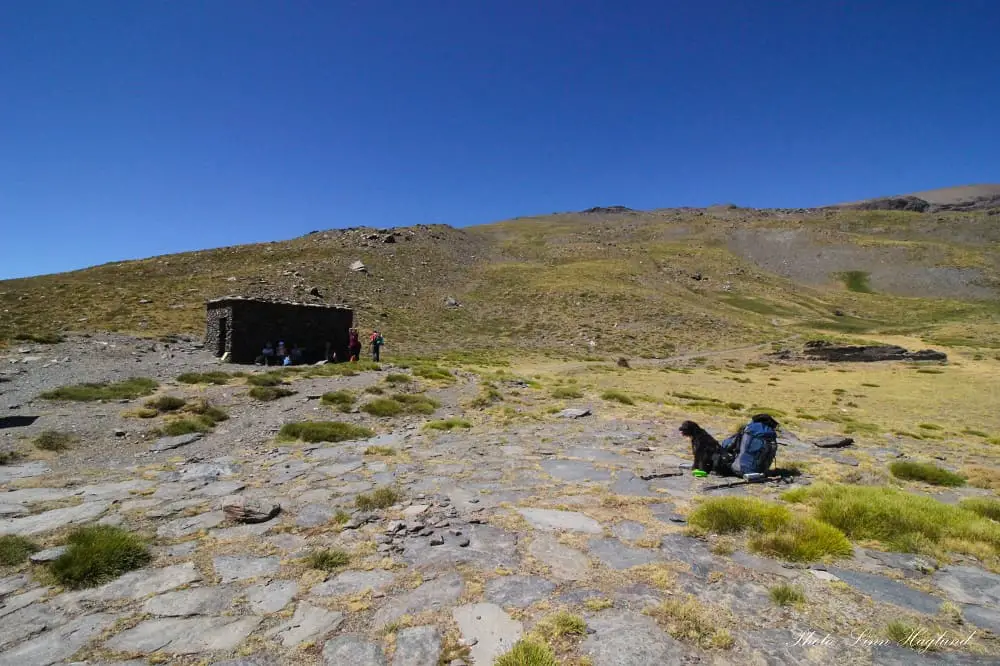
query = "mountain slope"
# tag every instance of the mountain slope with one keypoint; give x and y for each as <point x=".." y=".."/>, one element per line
<point x="641" y="283"/>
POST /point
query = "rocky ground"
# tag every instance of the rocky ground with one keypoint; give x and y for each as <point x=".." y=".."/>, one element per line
<point x="497" y="528"/>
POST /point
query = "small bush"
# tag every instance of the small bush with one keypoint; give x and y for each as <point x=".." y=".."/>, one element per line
<point x="381" y="498"/>
<point x="416" y="403"/>
<point x="448" y="424"/>
<point x="787" y="595"/>
<point x="618" y="396"/>
<point x="382" y="407"/>
<point x="689" y="620"/>
<point x="43" y="338"/>
<point x="10" y="457"/>
<point x="328" y="560"/>
<point x="53" y="440"/>
<point x="15" y="549"/>
<point x="185" y="427"/>
<point x="803" y="540"/>
<point x="165" y="403"/>
<point x="209" y="413"/>
<point x="909" y="470"/>
<point x="433" y="372"/>
<point x="129" y="389"/>
<point x="929" y="426"/>
<point x="598" y="604"/>
<point x="731" y="515"/>
<point x="557" y="626"/>
<point x="397" y="378"/>
<point x="97" y="554"/>
<point x="266" y="379"/>
<point x="566" y="393"/>
<point x="984" y="506"/>
<point x="214" y="377"/>
<point x="341" y="400"/>
<point x="374" y="390"/>
<point x="856" y="281"/>
<point x="324" y="431"/>
<point x="380" y="451"/>
<point x="527" y="652"/>
<point x="341" y="517"/>
<point x="269" y="393"/>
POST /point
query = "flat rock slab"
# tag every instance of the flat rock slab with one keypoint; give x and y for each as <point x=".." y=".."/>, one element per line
<point x="341" y="468"/>
<point x="574" y="470"/>
<point x="221" y="488"/>
<point x="182" y="527"/>
<point x="616" y="555"/>
<point x="489" y="629"/>
<point x="691" y="551"/>
<point x="969" y="585"/>
<point x="417" y="646"/>
<point x="573" y="413"/>
<point x="235" y="567"/>
<point x="17" y="602"/>
<point x="982" y="617"/>
<point x="784" y="647"/>
<point x="833" y="442"/>
<point x="352" y="650"/>
<point x="911" y="566"/>
<point x="133" y="585"/>
<point x="485" y="546"/>
<point x="628" y="484"/>
<point x="565" y="563"/>
<point x="353" y="582"/>
<point x="628" y="530"/>
<point x="625" y="638"/>
<point x="518" y="591"/>
<point x="60" y="643"/>
<point x="48" y="555"/>
<point x="168" y="443"/>
<point x="10" y="472"/>
<point x="54" y="519"/>
<point x="595" y="455"/>
<point x="899" y="655"/>
<point x="432" y="595"/>
<point x="889" y="591"/>
<point x="121" y="490"/>
<point x="307" y="623"/>
<point x="27" y="621"/>
<point x="196" y="601"/>
<point x="552" y="520"/>
<point x="185" y="636"/>
<point x="13" y="584"/>
<point x="272" y="596"/>
<point x="32" y="495"/>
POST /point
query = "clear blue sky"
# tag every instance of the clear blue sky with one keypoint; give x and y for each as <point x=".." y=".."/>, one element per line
<point x="143" y="127"/>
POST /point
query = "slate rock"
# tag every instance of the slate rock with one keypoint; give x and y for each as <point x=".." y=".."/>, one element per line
<point x="222" y="488"/>
<point x="432" y="595"/>
<point x="518" y="591"/>
<point x="911" y="566"/>
<point x="235" y="567"/>
<point x="272" y="596"/>
<point x="135" y="585"/>
<point x="182" y="527"/>
<point x="969" y="585"/>
<point x="616" y="555"/>
<point x="352" y="650"/>
<point x="314" y="515"/>
<point x="488" y="630"/>
<point x="60" y="643"/>
<point x="19" y="601"/>
<point x="784" y="647"/>
<point x="195" y="601"/>
<point x="48" y="555"/>
<point x="353" y="582"/>
<point x="691" y="551"/>
<point x="573" y="413"/>
<point x="899" y="655"/>
<point x="252" y="660"/>
<point x="307" y="623"/>
<point x="574" y="470"/>
<point x="184" y="635"/>
<point x="628" y="530"/>
<point x="168" y="443"/>
<point x="833" y="442"/>
<point x="629" y="485"/>
<point x="48" y="521"/>
<point x="28" y="621"/>
<point x="564" y="562"/>
<point x="626" y="638"/>
<point x="983" y="617"/>
<point x="13" y="584"/>
<point x="121" y="490"/>
<point x="417" y="646"/>
<point x="552" y="520"/>
<point x="484" y="546"/>
<point x="243" y="509"/>
<point x="10" y="472"/>
<point x="889" y="591"/>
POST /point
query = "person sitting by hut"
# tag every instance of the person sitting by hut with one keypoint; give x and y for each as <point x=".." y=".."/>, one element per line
<point x="296" y="355"/>
<point x="267" y="354"/>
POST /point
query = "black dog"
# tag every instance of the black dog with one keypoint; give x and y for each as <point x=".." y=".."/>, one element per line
<point x="704" y="447"/>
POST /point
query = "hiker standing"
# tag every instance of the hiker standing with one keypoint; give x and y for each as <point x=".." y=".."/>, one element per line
<point x="376" y="344"/>
<point x="354" y="345"/>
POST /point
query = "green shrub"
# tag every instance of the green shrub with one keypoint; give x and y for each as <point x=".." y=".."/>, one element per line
<point x="10" y="457"/>
<point x="266" y="379"/>
<point x="397" y="378"/>
<point x="15" y="549"/>
<point x="433" y="372"/>
<point x="341" y="400"/>
<point x="204" y="409"/>
<point x="324" y="431"/>
<point x="730" y="515"/>
<point x="374" y="390"/>
<point x="215" y="377"/>
<point x="341" y="517"/>
<point x="910" y="470"/>
<point x="269" y="393"/>
<point x="380" y="451"/>
<point x="618" y="396"/>
<point x="44" y="338"/>
<point x="984" y="506"/>
<point x="328" y="560"/>
<point x="184" y="427"/>
<point x="382" y="498"/>
<point x="53" y="440"/>
<point x="383" y="407"/>
<point x="566" y="393"/>
<point x="787" y="595"/>
<point x="135" y="387"/>
<point x="527" y="652"/>
<point x="690" y="620"/>
<point x="856" y="281"/>
<point x="416" y="403"/>
<point x="929" y="426"/>
<point x="559" y="625"/>
<point x="975" y="433"/>
<point x="166" y="403"/>
<point x="448" y="424"/>
<point x="97" y="554"/>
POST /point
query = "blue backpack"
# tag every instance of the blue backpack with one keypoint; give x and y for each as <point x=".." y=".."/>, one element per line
<point x="751" y="450"/>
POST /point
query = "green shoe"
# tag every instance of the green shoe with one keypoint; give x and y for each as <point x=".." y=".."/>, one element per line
<point x="701" y="474"/>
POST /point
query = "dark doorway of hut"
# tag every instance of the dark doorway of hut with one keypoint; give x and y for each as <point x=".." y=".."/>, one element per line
<point x="223" y="336"/>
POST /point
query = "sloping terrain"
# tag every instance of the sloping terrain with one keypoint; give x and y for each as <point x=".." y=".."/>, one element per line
<point x="603" y="281"/>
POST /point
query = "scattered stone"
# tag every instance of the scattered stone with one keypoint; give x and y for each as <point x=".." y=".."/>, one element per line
<point x="415" y="510"/>
<point x="168" y="443"/>
<point x="307" y="623"/>
<point x="432" y="595"/>
<point x="196" y="601"/>
<point x="230" y="568"/>
<point x="833" y="442"/>
<point x="243" y="509"/>
<point x="825" y="576"/>
<point x="349" y="583"/>
<point x="574" y="413"/>
<point x="566" y="563"/>
<point x="493" y="631"/>
<point x="354" y="650"/>
<point x="846" y="460"/>
<point x="626" y="638"/>
<point x="518" y="591"/>
<point x="182" y="527"/>
<point x="437" y="540"/>
<point x="60" y="643"/>
<point x="552" y="520"/>
<point x="616" y="555"/>
<point x="48" y="555"/>
<point x="272" y="596"/>
<point x="359" y="267"/>
<point x="53" y="520"/>
<point x="417" y="646"/>
<point x="184" y="635"/>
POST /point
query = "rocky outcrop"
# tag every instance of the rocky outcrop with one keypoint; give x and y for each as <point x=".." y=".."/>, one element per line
<point x="825" y="351"/>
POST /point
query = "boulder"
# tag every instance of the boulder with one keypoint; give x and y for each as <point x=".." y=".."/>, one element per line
<point x="244" y="509"/>
<point x="833" y="442"/>
<point x="358" y="267"/>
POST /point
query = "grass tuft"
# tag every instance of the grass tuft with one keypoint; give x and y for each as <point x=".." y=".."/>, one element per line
<point x="269" y="393"/>
<point x="856" y="281"/>
<point x="43" y="338"/>
<point x="266" y="379"/>
<point x="448" y="424"/>
<point x="165" y="403"/>
<point x="618" y="396"/>
<point x="433" y="372"/>
<point x="566" y="393"/>
<point x="15" y="549"/>
<point x="909" y="470"/>
<point x="382" y="407"/>
<point x="397" y="378"/>
<point x="324" y="431"/>
<point x="10" y="457"/>
<point x="690" y="620"/>
<point x="341" y="400"/>
<point x="328" y="560"/>
<point x="129" y="389"/>
<point x="54" y="440"/>
<point x="97" y="554"/>
<point x="214" y="377"/>
<point x="787" y="595"/>
<point x="986" y="507"/>
<point x="381" y="498"/>
<point x="380" y="451"/>
<point x="527" y="652"/>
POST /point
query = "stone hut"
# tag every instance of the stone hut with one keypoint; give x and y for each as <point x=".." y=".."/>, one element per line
<point x="242" y="326"/>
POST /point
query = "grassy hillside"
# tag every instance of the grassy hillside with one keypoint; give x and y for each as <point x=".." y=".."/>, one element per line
<point x="643" y="284"/>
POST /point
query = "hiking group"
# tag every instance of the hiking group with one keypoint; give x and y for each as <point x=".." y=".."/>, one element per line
<point x="748" y="453"/>
<point x="284" y="355"/>
<point x="375" y="344"/>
